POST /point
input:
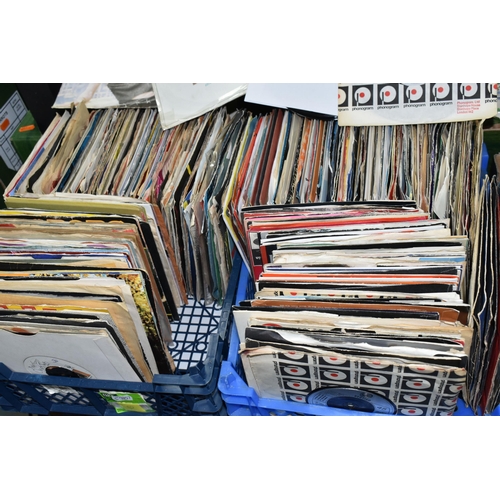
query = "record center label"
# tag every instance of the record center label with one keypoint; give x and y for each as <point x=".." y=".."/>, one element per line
<point x="43" y="365"/>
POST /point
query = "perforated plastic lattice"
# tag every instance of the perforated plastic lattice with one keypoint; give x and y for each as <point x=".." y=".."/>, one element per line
<point x="20" y="394"/>
<point x="191" y="334"/>
<point x="173" y="405"/>
<point x="71" y="397"/>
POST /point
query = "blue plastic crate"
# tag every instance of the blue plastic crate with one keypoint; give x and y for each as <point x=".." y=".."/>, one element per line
<point x="242" y="400"/>
<point x="200" y="341"/>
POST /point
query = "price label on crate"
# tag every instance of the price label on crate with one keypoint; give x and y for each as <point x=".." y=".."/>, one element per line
<point x="126" y="401"/>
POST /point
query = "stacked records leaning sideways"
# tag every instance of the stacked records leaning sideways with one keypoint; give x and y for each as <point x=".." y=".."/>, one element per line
<point x="483" y="387"/>
<point x="357" y="305"/>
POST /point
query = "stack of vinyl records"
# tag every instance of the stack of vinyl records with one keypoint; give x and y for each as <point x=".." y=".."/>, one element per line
<point x="83" y="295"/>
<point x="483" y="385"/>
<point x="191" y="182"/>
<point x="258" y="183"/>
<point x="357" y="305"/>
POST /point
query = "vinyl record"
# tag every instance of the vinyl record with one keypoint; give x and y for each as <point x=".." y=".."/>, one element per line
<point x="351" y="399"/>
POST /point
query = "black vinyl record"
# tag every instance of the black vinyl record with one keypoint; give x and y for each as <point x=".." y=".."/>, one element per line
<point x="352" y="399"/>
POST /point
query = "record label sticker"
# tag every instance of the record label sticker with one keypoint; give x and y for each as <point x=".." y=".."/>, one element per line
<point x="127" y="402"/>
<point x="47" y="365"/>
